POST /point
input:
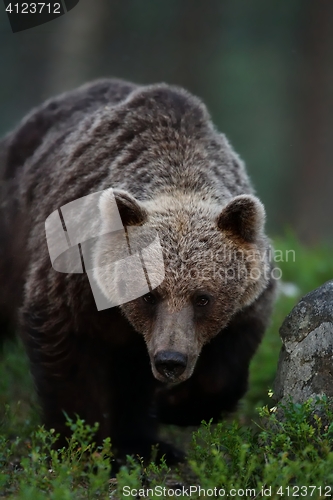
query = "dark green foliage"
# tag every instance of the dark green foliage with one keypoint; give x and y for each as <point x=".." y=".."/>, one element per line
<point x="34" y="468"/>
<point x="295" y="451"/>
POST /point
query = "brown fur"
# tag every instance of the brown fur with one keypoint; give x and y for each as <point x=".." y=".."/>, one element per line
<point x="174" y="173"/>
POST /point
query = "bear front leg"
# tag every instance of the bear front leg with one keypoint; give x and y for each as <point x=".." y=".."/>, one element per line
<point x="134" y="421"/>
<point x="69" y="372"/>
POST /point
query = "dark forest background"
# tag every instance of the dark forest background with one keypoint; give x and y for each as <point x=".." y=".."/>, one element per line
<point x="264" y="69"/>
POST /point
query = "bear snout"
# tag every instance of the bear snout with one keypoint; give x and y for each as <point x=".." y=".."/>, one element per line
<point x="170" y="364"/>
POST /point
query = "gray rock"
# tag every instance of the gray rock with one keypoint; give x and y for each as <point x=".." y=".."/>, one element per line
<point x="305" y="368"/>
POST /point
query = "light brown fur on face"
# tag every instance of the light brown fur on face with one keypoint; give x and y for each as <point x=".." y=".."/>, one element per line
<point x="208" y="250"/>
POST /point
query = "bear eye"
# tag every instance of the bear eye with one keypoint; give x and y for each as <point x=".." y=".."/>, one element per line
<point x="149" y="298"/>
<point x="202" y="300"/>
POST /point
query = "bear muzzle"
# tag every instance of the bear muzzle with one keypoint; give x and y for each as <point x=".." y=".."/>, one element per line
<point x="170" y="364"/>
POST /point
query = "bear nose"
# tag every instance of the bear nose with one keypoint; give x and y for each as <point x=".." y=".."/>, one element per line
<point x="170" y="364"/>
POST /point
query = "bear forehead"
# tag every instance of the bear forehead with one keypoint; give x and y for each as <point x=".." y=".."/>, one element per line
<point x="189" y="235"/>
<point x="194" y="252"/>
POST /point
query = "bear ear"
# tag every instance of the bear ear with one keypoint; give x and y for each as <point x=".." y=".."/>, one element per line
<point x="131" y="211"/>
<point x="243" y="218"/>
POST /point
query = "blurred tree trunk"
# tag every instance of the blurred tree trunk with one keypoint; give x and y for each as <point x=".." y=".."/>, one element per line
<point x="313" y="190"/>
<point x="198" y="32"/>
<point x="75" y="46"/>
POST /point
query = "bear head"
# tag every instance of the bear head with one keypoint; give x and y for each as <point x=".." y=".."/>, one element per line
<point x="215" y="262"/>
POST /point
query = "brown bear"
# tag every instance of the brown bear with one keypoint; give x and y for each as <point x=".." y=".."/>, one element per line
<point x="178" y="351"/>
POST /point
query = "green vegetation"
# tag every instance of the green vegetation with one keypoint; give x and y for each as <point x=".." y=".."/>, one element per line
<point x="255" y="451"/>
